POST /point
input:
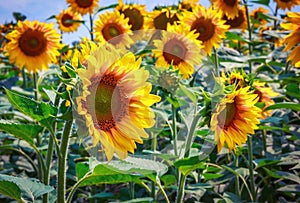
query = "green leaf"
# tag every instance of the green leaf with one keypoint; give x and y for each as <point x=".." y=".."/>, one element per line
<point x="231" y="198"/>
<point x="209" y="176"/>
<point x="39" y="111"/>
<point x="292" y="89"/>
<point x="265" y="162"/>
<point x="30" y="188"/>
<point x="290" y="188"/>
<point x="25" y="132"/>
<point x="284" y="105"/>
<point x="189" y="93"/>
<point x="107" y="7"/>
<point x="265" y="127"/>
<point x="187" y="165"/>
<point x="11" y="190"/>
<point x="235" y="36"/>
<point x="263" y="2"/>
<point x="81" y="170"/>
<point x="140" y="200"/>
<point x="168" y="179"/>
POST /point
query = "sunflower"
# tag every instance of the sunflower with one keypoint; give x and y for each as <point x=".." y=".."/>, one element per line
<point x="33" y="44"/>
<point x="239" y="21"/>
<point x="135" y="13"/>
<point x="65" y="18"/>
<point x="116" y="101"/>
<point x="229" y="7"/>
<point x="82" y="51"/>
<point x="209" y="25"/>
<point x="112" y="27"/>
<point x="187" y="4"/>
<point x="235" y="117"/>
<point x="159" y="19"/>
<point x="83" y="6"/>
<point x="233" y="78"/>
<point x="292" y="40"/>
<point x="180" y="48"/>
<point x="268" y="37"/>
<point x="257" y="19"/>
<point x="287" y="4"/>
<point x="264" y="94"/>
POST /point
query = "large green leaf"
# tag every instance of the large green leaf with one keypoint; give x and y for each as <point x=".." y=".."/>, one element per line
<point x="187" y="165"/>
<point x="11" y="190"/>
<point x="26" y="132"/>
<point x="290" y="188"/>
<point x="39" y="111"/>
<point x="284" y="105"/>
<point x="30" y="188"/>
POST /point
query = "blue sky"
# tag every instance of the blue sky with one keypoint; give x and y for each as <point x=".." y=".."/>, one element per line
<point x="42" y="9"/>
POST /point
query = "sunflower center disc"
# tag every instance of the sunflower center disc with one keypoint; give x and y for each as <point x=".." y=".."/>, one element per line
<point x="204" y="27"/>
<point x="110" y="103"/>
<point x="161" y="21"/>
<point x="286" y="1"/>
<point x="111" y="33"/>
<point x="66" y="20"/>
<point x="174" y="50"/>
<point x="32" y="42"/>
<point x="230" y="2"/>
<point x="84" y="3"/>
<point x="237" y="21"/>
<point x="227" y="115"/>
<point x="136" y="20"/>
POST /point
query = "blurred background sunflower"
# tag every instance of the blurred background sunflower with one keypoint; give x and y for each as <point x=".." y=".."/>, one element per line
<point x="67" y="20"/>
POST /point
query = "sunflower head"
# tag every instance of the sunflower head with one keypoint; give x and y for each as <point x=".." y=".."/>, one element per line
<point x="83" y="6"/>
<point x="234" y="78"/>
<point x="178" y="48"/>
<point x="264" y="94"/>
<point x="239" y="21"/>
<point x="208" y="24"/>
<point x="115" y="101"/>
<point x="287" y="4"/>
<point x="82" y="52"/>
<point x="169" y="80"/>
<point x="235" y="117"/>
<point x="256" y="16"/>
<point x="66" y="20"/>
<point x="187" y="4"/>
<point x="135" y="13"/>
<point x="33" y="45"/>
<point x="112" y="27"/>
<point x="230" y="8"/>
<point x="159" y="19"/>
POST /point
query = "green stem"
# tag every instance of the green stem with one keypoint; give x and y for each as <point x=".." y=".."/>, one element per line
<point x="237" y="183"/>
<point x="216" y="61"/>
<point x="91" y="27"/>
<point x="74" y="188"/>
<point x="131" y="187"/>
<point x="35" y="76"/>
<point x="174" y="129"/>
<point x="182" y="178"/>
<point x="24" y="78"/>
<point x="61" y="176"/>
<point x="251" y="170"/>
<point x="249" y="33"/>
<point x="264" y="140"/>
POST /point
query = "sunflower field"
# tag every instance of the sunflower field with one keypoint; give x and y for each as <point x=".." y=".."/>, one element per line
<point x="180" y="103"/>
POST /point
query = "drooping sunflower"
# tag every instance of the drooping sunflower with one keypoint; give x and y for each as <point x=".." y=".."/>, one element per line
<point x="159" y="19"/>
<point x="33" y="45"/>
<point x="180" y="48"/>
<point x="136" y="14"/>
<point x="229" y="7"/>
<point x="234" y="118"/>
<point x="83" y="6"/>
<point x="257" y="20"/>
<point x="292" y="40"/>
<point x="112" y="27"/>
<point x="208" y="24"/>
<point x="287" y="4"/>
<point x="234" y="78"/>
<point x="239" y="21"/>
<point x="116" y="101"/>
<point x="264" y="94"/>
<point x="65" y="18"/>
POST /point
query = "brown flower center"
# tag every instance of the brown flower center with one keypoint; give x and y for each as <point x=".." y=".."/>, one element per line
<point x="286" y="1"/>
<point x="111" y="31"/>
<point x="174" y="51"/>
<point x="111" y="102"/>
<point x="161" y="21"/>
<point x="32" y="42"/>
<point x="204" y="27"/>
<point x="227" y="115"/>
<point x="235" y="22"/>
<point x="230" y="3"/>
<point x="84" y="3"/>
<point x="66" y="20"/>
<point x="136" y="20"/>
